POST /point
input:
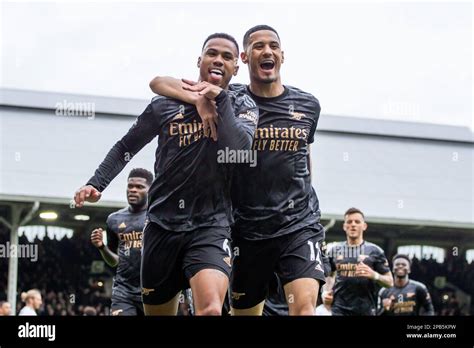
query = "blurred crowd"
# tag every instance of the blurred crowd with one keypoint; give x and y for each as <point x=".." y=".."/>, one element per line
<point x="62" y="274"/>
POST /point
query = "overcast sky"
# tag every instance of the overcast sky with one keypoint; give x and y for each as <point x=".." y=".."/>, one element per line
<point x="405" y="61"/>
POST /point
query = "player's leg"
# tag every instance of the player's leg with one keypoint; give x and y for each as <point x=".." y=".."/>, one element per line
<point x="167" y="308"/>
<point x="207" y="265"/>
<point x="252" y="269"/>
<point x="209" y="287"/>
<point x="161" y="270"/>
<point x="125" y="306"/>
<point x="301" y="269"/>
<point x="255" y="310"/>
<point x="301" y="296"/>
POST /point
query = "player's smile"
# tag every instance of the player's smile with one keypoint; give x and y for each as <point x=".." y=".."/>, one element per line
<point x="267" y="65"/>
<point x="218" y="62"/>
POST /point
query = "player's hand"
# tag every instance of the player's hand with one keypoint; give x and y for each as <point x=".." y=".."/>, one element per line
<point x="362" y="270"/>
<point x="204" y="88"/>
<point x="327" y="297"/>
<point x="387" y="304"/>
<point x="97" y="237"/>
<point x="86" y="194"/>
<point x="208" y="113"/>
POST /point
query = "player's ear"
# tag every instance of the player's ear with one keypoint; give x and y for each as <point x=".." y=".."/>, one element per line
<point x="244" y="57"/>
<point x="236" y="69"/>
<point x="199" y="62"/>
<point x="365" y="223"/>
<point x="282" y="56"/>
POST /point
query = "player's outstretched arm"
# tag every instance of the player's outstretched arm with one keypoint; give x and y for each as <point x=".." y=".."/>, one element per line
<point x="86" y="193"/>
<point x="97" y="239"/>
<point x="141" y="133"/>
<point x="173" y="88"/>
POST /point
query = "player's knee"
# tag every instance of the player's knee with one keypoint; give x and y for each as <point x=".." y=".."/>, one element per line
<point x="301" y="309"/>
<point x="211" y="309"/>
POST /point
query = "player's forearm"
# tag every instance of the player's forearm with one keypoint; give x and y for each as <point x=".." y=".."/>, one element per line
<point x="233" y="133"/>
<point x="172" y="88"/>
<point x="428" y="309"/>
<point x="385" y="280"/>
<point x="330" y="280"/>
<point x="109" y="257"/>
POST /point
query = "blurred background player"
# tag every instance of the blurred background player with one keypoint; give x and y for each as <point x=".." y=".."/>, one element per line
<point x="406" y="296"/>
<point x="124" y="243"/>
<point x="33" y="301"/>
<point x="5" y="308"/>
<point x="359" y="269"/>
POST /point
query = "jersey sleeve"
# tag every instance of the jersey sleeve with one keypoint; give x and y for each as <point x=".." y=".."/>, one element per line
<point x="236" y="123"/>
<point x="317" y="112"/>
<point x="380" y="262"/>
<point x="145" y="128"/>
<point x="330" y="257"/>
<point x="424" y="298"/>
<point x="112" y="240"/>
<point x="381" y="296"/>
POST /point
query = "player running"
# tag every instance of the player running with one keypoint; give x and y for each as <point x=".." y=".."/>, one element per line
<point x="406" y="297"/>
<point x="359" y="269"/>
<point x="124" y="244"/>
<point x="276" y="210"/>
<point x="186" y="241"/>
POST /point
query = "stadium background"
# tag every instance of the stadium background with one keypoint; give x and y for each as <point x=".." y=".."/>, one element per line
<point x="413" y="181"/>
<point x="403" y="66"/>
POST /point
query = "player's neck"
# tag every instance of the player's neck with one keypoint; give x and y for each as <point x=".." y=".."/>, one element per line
<point x="356" y="242"/>
<point x="267" y="90"/>
<point x="401" y="282"/>
<point x="136" y="208"/>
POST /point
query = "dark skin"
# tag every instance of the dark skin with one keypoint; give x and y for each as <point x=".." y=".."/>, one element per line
<point x="137" y="196"/>
<point x="217" y="64"/>
<point x="401" y="270"/>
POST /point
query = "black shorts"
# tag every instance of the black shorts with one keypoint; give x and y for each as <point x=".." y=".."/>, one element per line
<point x="126" y="306"/>
<point x="170" y="259"/>
<point x="292" y="256"/>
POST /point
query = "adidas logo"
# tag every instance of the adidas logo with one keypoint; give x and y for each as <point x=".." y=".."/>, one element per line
<point x="179" y="116"/>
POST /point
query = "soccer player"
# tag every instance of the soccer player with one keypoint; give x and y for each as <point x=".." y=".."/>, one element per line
<point x="186" y="241"/>
<point x="33" y="301"/>
<point x="359" y="269"/>
<point x="406" y="297"/>
<point x="277" y="218"/>
<point x="124" y="244"/>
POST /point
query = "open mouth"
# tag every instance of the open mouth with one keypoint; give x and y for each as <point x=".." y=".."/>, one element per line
<point x="216" y="73"/>
<point x="267" y="65"/>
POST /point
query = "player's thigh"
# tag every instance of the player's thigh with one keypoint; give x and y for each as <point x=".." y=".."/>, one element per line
<point x="252" y="268"/>
<point x="301" y="267"/>
<point x="301" y="295"/>
<point x="126" y="307"/>
<point x="162" y="276"/>
<point x="207" y="265"/>
<point x="168" y="308"/>
<point x="209" y="287"/>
